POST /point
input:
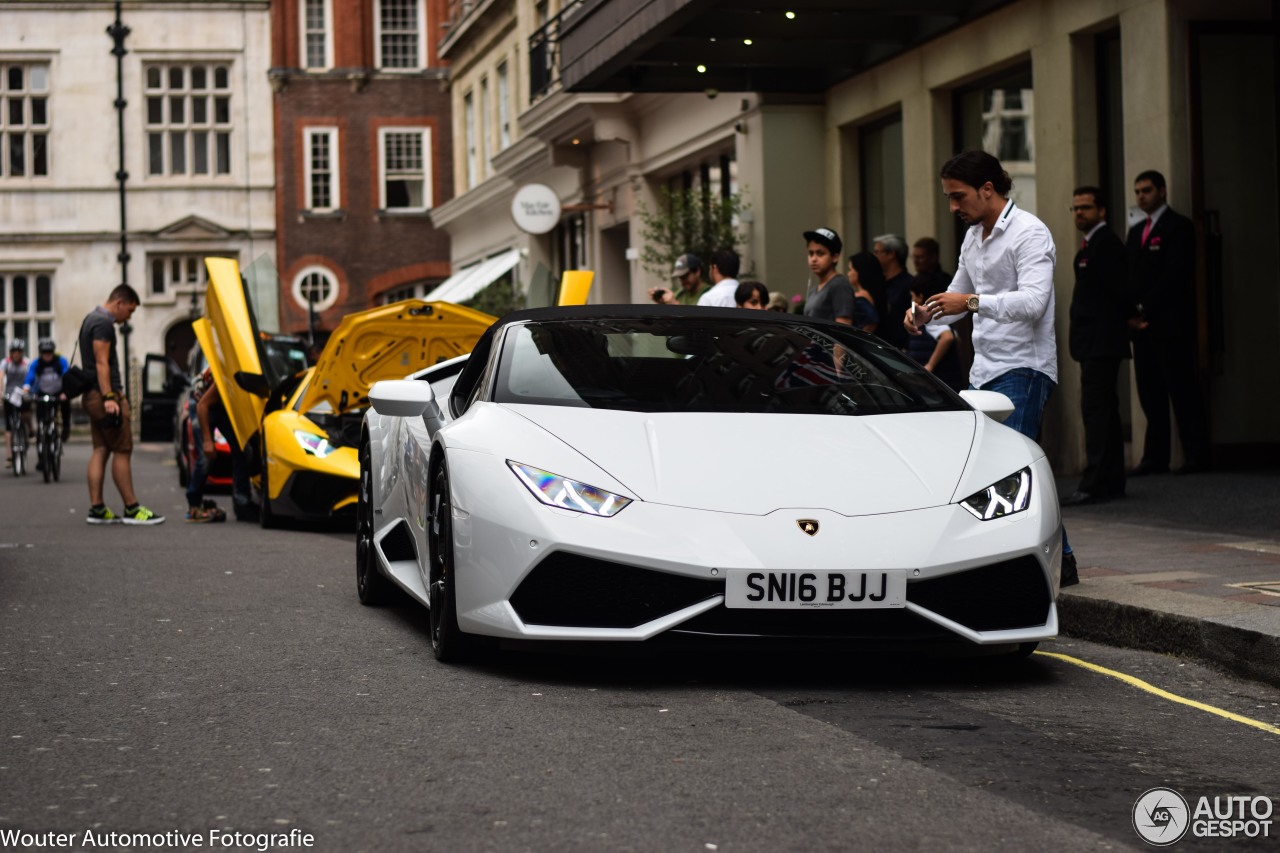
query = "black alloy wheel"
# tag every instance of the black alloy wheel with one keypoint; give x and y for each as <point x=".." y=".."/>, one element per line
<point x="371" y="585"/>
<point x="448" y="642"/>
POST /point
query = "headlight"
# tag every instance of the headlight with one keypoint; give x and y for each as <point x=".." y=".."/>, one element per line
<point x="554" y="490"/>
<point x="316" y="445"/>
<point x="1005" y="497"/>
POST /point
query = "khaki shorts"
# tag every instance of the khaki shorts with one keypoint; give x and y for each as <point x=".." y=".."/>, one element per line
<point x="118" y="440"/>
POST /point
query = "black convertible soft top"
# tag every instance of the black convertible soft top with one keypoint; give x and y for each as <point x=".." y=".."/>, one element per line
<point x="643" y="310"/>
<point x="479" y="360"/>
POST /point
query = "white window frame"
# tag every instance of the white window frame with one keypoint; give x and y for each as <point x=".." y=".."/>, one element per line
<point x="335" y="184"/>
<point x="400" y="294"/>
<point x="28" y="129"/>
<point x="189" y="126"/>
<point x="427" y="183"/>
<point x="327" y="8"/>
<point x="422" y="38"/>
<point x="484" y="136"/>
<point x="469" y="137"/>
<point x="31" y="316"/>
<point x="504" y="105"/>
<point x="306" y="272"/>
<point x="173" y="288"/>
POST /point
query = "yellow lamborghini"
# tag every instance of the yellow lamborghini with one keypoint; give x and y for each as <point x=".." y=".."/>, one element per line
<point x="300" y="432"/>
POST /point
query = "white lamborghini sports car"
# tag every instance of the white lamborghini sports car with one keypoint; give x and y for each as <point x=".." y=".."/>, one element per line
<point x="624" y="473"/>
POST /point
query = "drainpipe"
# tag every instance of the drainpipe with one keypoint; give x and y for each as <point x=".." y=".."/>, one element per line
<point x="119" y="32"/>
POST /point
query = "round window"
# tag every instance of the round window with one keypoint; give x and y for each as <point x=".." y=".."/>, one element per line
<point x="315" y="287"/>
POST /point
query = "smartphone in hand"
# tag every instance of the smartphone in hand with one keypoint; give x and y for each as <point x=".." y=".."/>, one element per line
<point x="918" y="316"/>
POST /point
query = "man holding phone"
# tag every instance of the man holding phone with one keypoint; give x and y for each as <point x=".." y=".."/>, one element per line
<point x="688" y="275"/>
<point x="1004" y="279"/>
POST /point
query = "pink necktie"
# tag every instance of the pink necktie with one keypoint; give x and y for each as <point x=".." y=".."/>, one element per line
<point x="1146" y="230"/>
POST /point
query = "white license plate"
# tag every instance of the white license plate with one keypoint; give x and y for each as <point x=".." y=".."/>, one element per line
<point x="816" y="589"/>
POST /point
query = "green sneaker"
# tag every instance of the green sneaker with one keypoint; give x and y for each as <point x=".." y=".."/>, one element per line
<point x="141" y="515"/>
<point x="102" y="515"/>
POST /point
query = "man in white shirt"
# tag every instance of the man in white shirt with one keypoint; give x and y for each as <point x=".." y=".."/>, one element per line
<point x="1005" y="280"/>
<point x="724" y="280"/>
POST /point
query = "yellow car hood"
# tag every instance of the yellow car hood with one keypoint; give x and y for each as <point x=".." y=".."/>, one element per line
<point x="389" y="342"/>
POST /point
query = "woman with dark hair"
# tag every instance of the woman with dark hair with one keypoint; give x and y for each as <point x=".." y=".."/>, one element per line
<point x="751" y="294"/>
<point x="868" y="289"/>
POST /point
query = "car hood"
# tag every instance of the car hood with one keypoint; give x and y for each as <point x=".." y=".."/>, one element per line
<point x="757" y="463"/>
<point x="389" y="342"/>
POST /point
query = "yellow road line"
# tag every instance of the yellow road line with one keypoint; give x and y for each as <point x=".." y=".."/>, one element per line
<point x="1164" y="694"/>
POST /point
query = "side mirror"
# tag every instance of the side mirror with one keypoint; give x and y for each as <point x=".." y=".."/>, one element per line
<point x="993" y="404"/>
<point x="255" y="383"/>
<point x="403" y="398"/>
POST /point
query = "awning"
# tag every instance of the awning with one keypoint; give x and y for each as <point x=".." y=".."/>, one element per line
<point x="468" y="281"/>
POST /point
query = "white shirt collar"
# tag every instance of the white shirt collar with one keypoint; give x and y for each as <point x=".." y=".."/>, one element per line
<point x="1095" y="229"/>
<point x="1159" y="211"/>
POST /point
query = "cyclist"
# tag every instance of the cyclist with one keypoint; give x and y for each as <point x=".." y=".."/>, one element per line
<point x="45" y="377"/>
<point x="15" y="373"/>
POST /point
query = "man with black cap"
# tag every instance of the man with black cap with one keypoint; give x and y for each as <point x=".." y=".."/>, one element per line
<point x="688" y="274"/>
<point x="830" y="295"/>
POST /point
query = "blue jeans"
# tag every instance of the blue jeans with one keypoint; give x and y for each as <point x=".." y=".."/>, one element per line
<point x="1029" y="391"/>
<point x="241" y="491"/>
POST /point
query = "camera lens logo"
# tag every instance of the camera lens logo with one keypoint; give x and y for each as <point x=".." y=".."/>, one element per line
<point x="1161" y="817"/>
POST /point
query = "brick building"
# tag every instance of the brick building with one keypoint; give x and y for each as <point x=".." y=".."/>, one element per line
<point x="363" y="153"/>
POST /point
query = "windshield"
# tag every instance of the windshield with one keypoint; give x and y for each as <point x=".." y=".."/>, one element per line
<point x="713" y="365"/>
<point x="284" y="358"/>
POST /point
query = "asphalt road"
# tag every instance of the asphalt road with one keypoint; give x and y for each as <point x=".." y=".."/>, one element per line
<point x="221" y="677"/>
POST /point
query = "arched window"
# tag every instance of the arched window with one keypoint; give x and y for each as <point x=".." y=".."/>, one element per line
<point x="315" y="285"/>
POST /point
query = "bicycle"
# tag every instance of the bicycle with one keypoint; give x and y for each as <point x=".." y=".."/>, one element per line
<point x="18" y="430"/>
<point x="48" y="436"/>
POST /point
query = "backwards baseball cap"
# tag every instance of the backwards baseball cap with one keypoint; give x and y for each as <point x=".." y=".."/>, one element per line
<point x="686" y="264"/>
<point x="825" y="237"/>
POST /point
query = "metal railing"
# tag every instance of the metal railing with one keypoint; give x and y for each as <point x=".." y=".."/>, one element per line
<point x="544" y="54"/>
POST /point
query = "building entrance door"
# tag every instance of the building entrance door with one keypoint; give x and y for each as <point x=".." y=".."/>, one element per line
<point x="1235" y="190"/>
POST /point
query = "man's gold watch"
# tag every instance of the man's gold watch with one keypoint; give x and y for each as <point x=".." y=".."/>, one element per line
<point x="972" y="304"/>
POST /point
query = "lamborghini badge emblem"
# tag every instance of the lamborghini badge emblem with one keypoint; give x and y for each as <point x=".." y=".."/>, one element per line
<point x="808" y="525"/>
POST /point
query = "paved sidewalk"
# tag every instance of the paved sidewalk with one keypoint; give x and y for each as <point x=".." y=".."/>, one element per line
<point x="1185" y="565"/>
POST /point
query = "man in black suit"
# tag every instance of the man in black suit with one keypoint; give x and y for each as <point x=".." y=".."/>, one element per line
<point x="1162" y="256"/>
<point x="1099" y="340"/>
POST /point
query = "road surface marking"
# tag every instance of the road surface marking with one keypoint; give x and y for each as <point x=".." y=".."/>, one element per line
<point x="1164" y="694"/>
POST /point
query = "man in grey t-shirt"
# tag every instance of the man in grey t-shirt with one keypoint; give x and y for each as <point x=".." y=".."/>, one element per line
<point x="108" y="411"/>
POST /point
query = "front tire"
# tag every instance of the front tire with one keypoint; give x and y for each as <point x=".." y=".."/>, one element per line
<point x="448" y="641"/>
<point x="266" y="518"/>
<point x="19" y="461"/>
<point x="371" y="585"/>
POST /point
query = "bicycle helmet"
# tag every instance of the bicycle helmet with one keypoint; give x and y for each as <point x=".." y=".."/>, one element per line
<point x="47" y="345"/>
<point x="17" y="343"/>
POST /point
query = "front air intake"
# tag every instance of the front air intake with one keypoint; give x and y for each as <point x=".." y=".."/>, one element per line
<point x="570" y="590"/>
